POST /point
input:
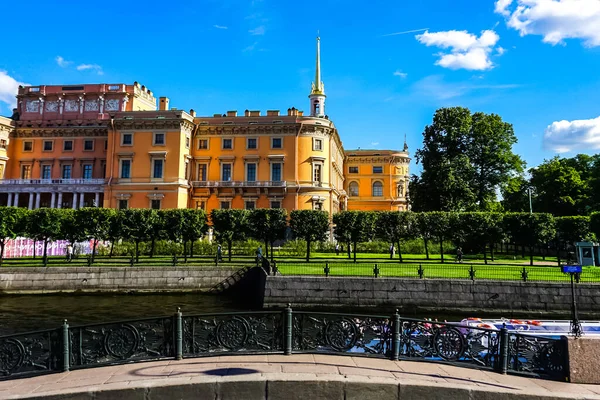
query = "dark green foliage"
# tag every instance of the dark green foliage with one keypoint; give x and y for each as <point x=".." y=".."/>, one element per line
<point x="395" y="227"/>
<point x="530" y="230"/>
<point x="229" y="225"/>
<point x="353" y="227"/>
<point x="12" y="221"/>
<point x="44" y="225"/>
<point x="267" y="225"/>
<point x="310" y="225"/>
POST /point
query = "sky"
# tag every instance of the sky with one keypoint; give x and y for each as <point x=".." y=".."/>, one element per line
<point x="387" y="65"/>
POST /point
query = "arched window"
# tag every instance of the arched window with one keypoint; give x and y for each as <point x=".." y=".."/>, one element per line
<point x="377" y="189"/>
<point x="401" y="190"/>
<point x="353" y="189"/>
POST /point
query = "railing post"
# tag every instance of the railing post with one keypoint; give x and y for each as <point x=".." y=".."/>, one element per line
<point x="376" y="271"/>
<point x="396" y="337"/>
<point x="421" y="271"/>
<point x="524" y="274"/>
<point x="326" y="269"/>
<point x="178" y="335"/>
<point x="65" y="340"/>
<point x="472" y="273"/>
<point x="288" y="331"/>
<point x="503" y="367"/>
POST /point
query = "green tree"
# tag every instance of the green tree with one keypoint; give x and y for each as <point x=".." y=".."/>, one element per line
<point x="310" y="225"/>
<point x="558" y="187"/>
<point x="136" y="226"/>
<point x="595" y="224"/>
<point x="396" y="226"/>
<point x="423" y="226"/>
<point x="174" y="220"/>
<point x="229" y="225"/>
<point x="156" y="228"/>
<point x="194" y="227"/>
<point x="515" y="195"/>
<point x="530" y="230"/>
<point x="479" y="230"/>
<point x="95" y="224"/>
<point x="115" y="228"/>
<point x="44" y="224"/>
<point x="570" y="230"/>
<point x="11" y="225"/>
<point x="267" y="225"/>
<point x="357" y="226"/>
<point x="440" y="228"/>
<point x="71" y="227"/>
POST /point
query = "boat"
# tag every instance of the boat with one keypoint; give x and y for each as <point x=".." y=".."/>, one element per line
<point x="533" y="327"/>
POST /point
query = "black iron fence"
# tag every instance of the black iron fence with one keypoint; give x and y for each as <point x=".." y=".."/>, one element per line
<point x="437" y="271"/>
<point x="280" y="332"/>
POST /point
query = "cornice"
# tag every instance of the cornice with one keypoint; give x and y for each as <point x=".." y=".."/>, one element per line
<point x="208" y="130"/>
<point x="154" y="124"/>
<point x="71" y="131"/>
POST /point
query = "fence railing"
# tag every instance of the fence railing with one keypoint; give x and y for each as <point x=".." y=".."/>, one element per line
<point x="284" y="332"/>
<point x="436" y="271"/>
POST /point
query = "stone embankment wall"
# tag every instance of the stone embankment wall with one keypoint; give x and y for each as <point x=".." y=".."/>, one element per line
<point x="91" y="279"/>
<point x="429" y="294"/>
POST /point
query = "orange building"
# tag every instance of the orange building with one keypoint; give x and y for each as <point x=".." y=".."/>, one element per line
<point x="109" y="145"/>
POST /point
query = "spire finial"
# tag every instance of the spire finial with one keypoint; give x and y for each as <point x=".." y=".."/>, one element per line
<point x="317" y="87"/>
<point x="405" y="145"/>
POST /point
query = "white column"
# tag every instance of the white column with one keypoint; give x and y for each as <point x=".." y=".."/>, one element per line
<point x="74" y="201"/>
<point x="31" y="201"/>
<point x="97" y="199"/>
<point x="53" y="200"/>
<point x="9" y="200"/>
<point x="81" y="200"/>
<point x="37" y="199"/>
<point x="16" y="204"/>
<point x="59" y="205"/>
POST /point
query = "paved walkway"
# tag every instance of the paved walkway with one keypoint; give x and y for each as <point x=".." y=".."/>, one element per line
<point x="231" y="370"/>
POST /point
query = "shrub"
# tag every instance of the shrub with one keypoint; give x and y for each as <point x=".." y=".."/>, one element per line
<point x="294" y="248"/>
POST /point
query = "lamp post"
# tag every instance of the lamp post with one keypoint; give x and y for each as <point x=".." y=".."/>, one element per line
<point x="530" y="206"/>
<point x="576" y="329"/>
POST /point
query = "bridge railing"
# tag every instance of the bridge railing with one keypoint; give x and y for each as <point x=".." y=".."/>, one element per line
<point x="280" y="332"/>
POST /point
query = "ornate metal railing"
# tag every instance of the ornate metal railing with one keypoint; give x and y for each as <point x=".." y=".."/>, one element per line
<point x="283" y="332"/>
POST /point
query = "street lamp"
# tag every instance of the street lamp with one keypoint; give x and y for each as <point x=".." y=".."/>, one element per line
<point x="530" y="206"/>
<point x="576" y="328"/>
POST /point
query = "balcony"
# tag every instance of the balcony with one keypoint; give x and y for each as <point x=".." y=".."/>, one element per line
<point x="51" y="181"/>
<point x="239" y="184"/>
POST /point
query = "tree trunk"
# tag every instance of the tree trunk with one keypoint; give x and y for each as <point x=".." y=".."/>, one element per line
<point x="191" y="249"/>
<point x="272" y="255"/>
<point x="94" y="249"/>
<point x="391" y="252"/>
<point x="34" y="242"/>
<point x="152" y="247"/>
<point x="531" y="255"/>
<point x="492" y="252"/>
<point x="544" y="253"/>
<point x="266" y="248"/>
<point x="1" y="251"/>
<point x="426" y="248"/>
<point x="185" y="251"/>
<point x="348" y="245"/>
<point x="45" y="252"/>
<point x="112" y="248"/>
<point x="229" y="245"/>
<point x="308" y="251"/>
<point x="485" y="253"/>
<point x="137" y="253"/>
<point x="516" y="249"/>
<point x="523" y="251"/>
<point x="558" y="255"/>
<point x="442" y="250"/>
<point x="400" y="253"/>
<point x="354" y="250"/>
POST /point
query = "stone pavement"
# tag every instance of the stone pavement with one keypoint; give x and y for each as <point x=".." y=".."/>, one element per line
<point x="300" y="376"/>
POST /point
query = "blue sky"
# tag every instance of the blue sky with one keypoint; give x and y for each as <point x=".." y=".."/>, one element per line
<point x="534" y="62"/>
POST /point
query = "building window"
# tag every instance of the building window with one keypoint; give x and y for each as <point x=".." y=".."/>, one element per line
<point x="318" y="144"/>
<point x="317" y="173"/>
<point x="226" y="172"/>
<point x="251" y="143"/>
<point x="26" y="172"/>
<point x="225" y="205"/>
<point x="202" y="144"/>
<point x="276" y="172"/>
<point x="3" y="143"/>
<point x="276" y="143"/>
<point x="48" y="145"/>
<point x="88" y="145"/>
<point x="46" y="172"/>
<point x="155" y="204"/>
<point x="106" y="145"/>
<point x="275" y="204"/>
<point x="353" y="189"/>
<point x="125" y="169"/>
<point x="400" y="190"/>
<point x="68" y="145"/>
<point x="103" y="169"/>
<point x="28" y="145"/>
<point x="159" y="139"/>
<point x="202" y="172"/>
<point x="157" y="169"/>
<point x="353" y="170"/>
<point x="186" y="171"/>
<point x="127" y="139"/>
<point x="187" y="142"/>
<point x="123" y="204"/>
<point x="251" y="172"/>
<point x="227" y="144"/>
<point x="378" y="170"/>
<point x="318" y="206"/>
<point x="377" y="189"/>
<point x="250" y="205"/>
<point x="200" y="205"/>
<point x="66" y="171"/>
<point x="87" y="171"/>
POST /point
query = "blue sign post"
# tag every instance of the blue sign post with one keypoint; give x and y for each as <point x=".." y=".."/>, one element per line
<point x="576" y="329"/>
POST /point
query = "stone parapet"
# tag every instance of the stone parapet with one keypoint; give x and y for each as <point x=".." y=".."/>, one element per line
<point x="584" y="360"/>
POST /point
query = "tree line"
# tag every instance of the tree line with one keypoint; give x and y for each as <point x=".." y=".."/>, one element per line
<point x="476" y="232"/>
<point x="467" y="159"/>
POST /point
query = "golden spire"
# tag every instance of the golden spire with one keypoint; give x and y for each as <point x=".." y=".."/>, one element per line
<point x="317" y="86"/>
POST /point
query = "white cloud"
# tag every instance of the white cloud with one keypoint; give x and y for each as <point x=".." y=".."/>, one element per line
<point x="563" y="136"/>
<point x="467" y="51"/>
<point x="374" y="143"/>
<point x="405" y="32"/>
<point x="250" y="48"/>
<point x="95" y="67"/>
<point x="400" y="74"/>
<point x="9" y="87"/>
<point x="500" y="50"/>
<point x="260" y="30"/>
<point x="555" y="20"/>
<point x="434" y="86"/>
<point x="62" y="62"/>
<point x="501" y="7"/>
<point x="220" y="27"/>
